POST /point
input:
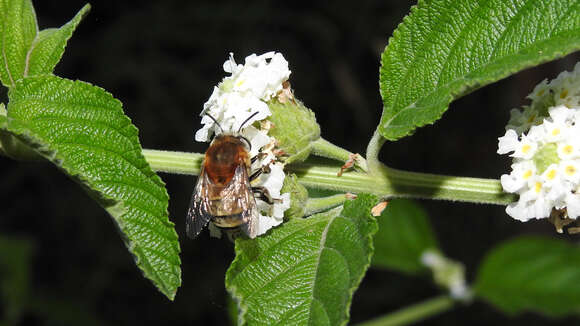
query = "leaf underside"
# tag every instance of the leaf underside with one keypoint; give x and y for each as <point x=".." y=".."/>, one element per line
<point x="82" y="129"/>
<point x="532" y="274"/>
<point x="445" y="49"/>
<point x="304" y="272"/>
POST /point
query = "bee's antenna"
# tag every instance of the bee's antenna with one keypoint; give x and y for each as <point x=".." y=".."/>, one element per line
<point x="216" y="122"/>
<point x="245" y="121"/>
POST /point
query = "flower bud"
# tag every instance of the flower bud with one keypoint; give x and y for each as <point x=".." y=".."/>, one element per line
<point x="294" y="128"/>
<point x="298" y="197"/>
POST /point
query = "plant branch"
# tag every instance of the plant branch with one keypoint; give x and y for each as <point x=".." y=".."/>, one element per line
<point x="414" y="313"/>
<point x="384" y="181"/>
<point x="174" y="162"/>
<point x="320" y="204"/>
<point x="324" y="148"/>
<point x="373" y="150"/>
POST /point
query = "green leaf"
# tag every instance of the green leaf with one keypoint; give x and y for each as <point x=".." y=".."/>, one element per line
<point x="48" y="46"/>
<point x="404" y="235"/>
<point x="446" y="48"/>
<point x="304" y="272"/>
<point x="532" y="274"/>
<point x="15" y="266"/>
<point x="26" y="51"/>
<point x="82" y="129"/>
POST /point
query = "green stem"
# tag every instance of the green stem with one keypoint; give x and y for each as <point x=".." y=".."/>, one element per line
<point x="173" y="162"/>
<point x="414" y="313"/>
<point x="324" y="148"/>
<point x="384" y="182"/>
<point x="320" y="204"/>
<point x="373" y="150"/>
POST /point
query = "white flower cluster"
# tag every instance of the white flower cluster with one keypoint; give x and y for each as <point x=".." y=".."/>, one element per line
<point x="544" y="139"/>
<point x="238" y="96"/>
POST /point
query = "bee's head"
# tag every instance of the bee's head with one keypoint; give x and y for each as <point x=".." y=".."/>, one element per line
<point x="236" y="134"/>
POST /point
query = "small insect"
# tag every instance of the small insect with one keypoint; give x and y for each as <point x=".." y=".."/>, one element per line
<point x="223" y="193"/>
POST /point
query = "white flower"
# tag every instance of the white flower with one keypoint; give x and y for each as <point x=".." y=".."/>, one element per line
<point x="570" y="171"/>
<point x="545" y="150"/>
<point x="566" y="88"/>
<point x="234" y="105"/>
<point x="521" y="120"/>
<point x="573" y="205"/>
<point x="521" y="173"/>
<point x="273" y="214"/>
<point x="508" y="143"/>
<point x="541" y="90"/>
<point x="260" y="75"/>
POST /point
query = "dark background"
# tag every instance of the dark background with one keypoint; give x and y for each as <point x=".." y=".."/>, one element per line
<point x="161" y="59"/>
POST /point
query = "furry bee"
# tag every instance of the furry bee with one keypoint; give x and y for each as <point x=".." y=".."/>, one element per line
<point x="223" y="193"/>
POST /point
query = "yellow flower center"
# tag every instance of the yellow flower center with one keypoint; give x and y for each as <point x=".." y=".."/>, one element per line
<point x="527" y="174"/>
<point x="570" y="170"/>
<point x="564" y="93"/>
<point x="568" y="149"/>
<point x="526" y="148"/>
<point x="551" y="174"/>
<point x="555" y="131"/>
<point x="538" y="187"/>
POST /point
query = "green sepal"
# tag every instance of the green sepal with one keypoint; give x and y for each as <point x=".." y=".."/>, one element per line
<point x="294" y="127"/>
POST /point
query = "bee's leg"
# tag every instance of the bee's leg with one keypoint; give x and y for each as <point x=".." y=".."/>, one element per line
<point x="257" y="173"/>
<point x="258" y="156"/>
<point x="264" y="195"/>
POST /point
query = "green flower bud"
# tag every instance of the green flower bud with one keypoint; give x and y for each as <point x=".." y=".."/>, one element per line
<point x="298" y="197"/>
<point x="294" y="127"/>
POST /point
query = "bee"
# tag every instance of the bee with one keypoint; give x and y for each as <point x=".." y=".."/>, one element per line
<point x="223" y="193"/>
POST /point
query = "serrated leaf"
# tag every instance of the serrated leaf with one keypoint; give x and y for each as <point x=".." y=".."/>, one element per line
<point x="82" y="129"/>
<point x="404" y="235"/>
<point x="48" y="46"/>
<point x="532" y="274"/>
<point x="304" y="272"/>
<point x="24" y="50"/>
<point x="446" y="48"/>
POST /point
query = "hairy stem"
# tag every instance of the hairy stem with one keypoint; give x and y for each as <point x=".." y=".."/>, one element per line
<point x="324" y="148"/>
<point x="384" y="181"/>
<point x="414" y="313"/>
<point x="373" y="150"/>
<point x="317" y="205"/>
<point x="174" y="162"/>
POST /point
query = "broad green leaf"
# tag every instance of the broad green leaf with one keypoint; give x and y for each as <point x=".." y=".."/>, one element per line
<point x="82" y="130"/>
<point x="48" y="46"/>
<point x="532" y="274"/>
<point x="15" y="266"/>
<point x="404" y="235"/>
<point x="304" y="272"/>
<point x="445" y="49"/>
<point x="24" y="50"/>
<point x="18" y="28"/>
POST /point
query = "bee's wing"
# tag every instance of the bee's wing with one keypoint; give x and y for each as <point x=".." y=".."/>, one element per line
<point x="198" y="213"/>
<point x="238" y="195"/>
